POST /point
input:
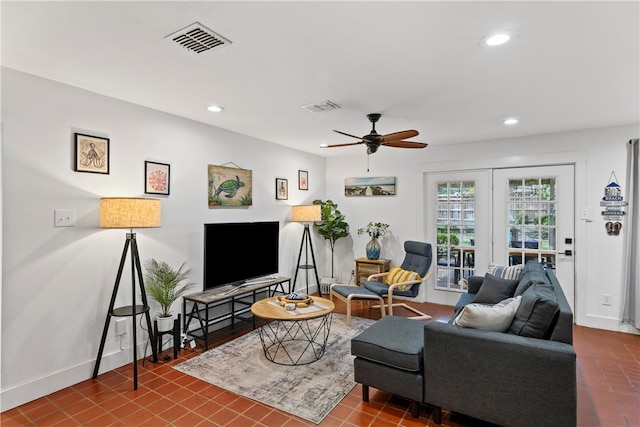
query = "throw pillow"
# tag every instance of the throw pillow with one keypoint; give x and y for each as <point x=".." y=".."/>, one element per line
<point x="495" y="317"/>
<point x="512" y="272"/>
<point x="495" y="289"/>
<point x="398" y="275"/>
<point x="536" y="313"/>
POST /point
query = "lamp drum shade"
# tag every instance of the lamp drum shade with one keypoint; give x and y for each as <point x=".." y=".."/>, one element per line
<point x="306" y="213"/>
<point x="129" y="212"/>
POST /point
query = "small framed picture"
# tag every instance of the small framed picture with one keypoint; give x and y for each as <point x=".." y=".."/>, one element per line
<point x="282" y="189"/>
<point x="157" y="177"/>
<point x="303" y="180"/>
<point x="91" y="154"/>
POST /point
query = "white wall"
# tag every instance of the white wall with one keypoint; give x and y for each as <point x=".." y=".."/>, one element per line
<point x="57" y="282"/>
<point x="595" y="153"/>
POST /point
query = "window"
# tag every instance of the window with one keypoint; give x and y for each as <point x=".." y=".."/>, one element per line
<point x="456" y="227"/>
<point x="531" y="220"/>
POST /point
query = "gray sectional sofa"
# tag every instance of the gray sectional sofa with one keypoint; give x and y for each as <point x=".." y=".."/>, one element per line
<point x="524" y="376"/>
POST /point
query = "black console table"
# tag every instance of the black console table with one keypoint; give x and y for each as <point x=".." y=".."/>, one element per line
<point x="197" y="307"/>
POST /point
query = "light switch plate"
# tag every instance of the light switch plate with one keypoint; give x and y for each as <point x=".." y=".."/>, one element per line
<point x="64" y="218"/>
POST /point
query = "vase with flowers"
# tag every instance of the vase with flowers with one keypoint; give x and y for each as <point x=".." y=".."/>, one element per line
<point x="375" y="230"/>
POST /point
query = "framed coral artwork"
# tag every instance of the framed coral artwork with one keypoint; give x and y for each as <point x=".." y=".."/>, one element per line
<point x="157" y="178"/>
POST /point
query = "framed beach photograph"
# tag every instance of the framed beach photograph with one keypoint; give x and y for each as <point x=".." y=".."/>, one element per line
<point x="370" y="186"/>
<point x="91" y="154"/>
<point x="157" y="178"/>
<point x="282" y="189"/>
<point x="303" y="180"/>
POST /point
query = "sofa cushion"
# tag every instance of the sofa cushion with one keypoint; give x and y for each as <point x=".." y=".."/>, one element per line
<point x="393" y="341"/>
<point x="398" y="275"/>
<point x="497" y="317"/>
<point x="462" y="301"/>
<point x="474" y="283"/>
<point x="512" y="272"/>
<point x="533" y="272"/>
<point x="495" y="289"/>
<point x="537" y="312"/>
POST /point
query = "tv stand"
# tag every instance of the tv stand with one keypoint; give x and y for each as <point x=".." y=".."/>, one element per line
<point x="197" y="307"/>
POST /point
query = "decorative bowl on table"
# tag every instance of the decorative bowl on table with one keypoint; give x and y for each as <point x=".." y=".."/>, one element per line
<point x="300" y="301"/>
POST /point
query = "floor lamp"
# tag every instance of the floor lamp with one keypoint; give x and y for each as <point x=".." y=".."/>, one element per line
<point x="306" y="214"/>
<point x="129" y="212"/>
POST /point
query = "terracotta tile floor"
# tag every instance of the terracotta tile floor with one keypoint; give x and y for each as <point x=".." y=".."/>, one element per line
<point x="608" y="394"/>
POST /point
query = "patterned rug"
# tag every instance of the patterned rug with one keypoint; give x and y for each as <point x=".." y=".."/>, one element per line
<point x="308" y="391"/>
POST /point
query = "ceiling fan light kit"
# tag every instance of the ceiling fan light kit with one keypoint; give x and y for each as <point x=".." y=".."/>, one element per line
<point x="374" y="140"/>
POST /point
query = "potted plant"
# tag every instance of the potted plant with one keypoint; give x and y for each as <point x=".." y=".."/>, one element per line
<point x="165" y="285"/>
<point x="375" y="230"/>
<point x="332" y="225"/>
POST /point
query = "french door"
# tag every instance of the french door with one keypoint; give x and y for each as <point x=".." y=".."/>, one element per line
<point x="460" y="227"/>
<point x="533" y="219"/>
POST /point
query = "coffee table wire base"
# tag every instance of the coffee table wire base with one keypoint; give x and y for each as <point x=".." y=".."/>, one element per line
<point x="295" y="342"/>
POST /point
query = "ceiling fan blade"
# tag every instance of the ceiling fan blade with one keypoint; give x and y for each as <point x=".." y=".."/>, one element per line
<point x="343" y="145"/>
<point x="397" y="136"/>
<point x="405" y="144"/>
<point x="347" y="134"/>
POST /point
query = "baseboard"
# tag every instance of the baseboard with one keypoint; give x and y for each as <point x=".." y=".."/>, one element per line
<point x="39" y="387"/>
<point x="607" y="323"/>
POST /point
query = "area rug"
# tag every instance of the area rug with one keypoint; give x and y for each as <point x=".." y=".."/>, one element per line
<point x="308" y="391"/>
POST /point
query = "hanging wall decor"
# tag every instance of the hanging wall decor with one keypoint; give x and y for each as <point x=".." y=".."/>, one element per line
<point x="91" y="154"/>
<point x="157" y="177"/>
<point x="303" y="180"/>
<point x="229" y="186"/>
<point x="370" y="186"/>
<point x="613" y="203"/>
<point x="282" y="189"/>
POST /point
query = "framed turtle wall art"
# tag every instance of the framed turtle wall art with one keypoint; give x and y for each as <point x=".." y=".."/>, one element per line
<point x="229" y="186"/>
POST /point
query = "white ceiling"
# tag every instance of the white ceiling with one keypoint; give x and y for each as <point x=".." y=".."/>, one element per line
<point x="571" y="65"/>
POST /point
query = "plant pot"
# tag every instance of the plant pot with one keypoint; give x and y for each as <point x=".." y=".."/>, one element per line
<point x="164" y="323"/>
<point x="373" y="249"/>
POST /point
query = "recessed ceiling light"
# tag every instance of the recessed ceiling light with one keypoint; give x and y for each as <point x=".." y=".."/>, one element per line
<point x="510" y="121"/>
<point x="215" y="108"/>
<point x="497" y="39"/>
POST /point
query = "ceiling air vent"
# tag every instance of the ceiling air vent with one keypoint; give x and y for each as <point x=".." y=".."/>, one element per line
<point x="320" y="107"/>
<point x="198" y="38"/>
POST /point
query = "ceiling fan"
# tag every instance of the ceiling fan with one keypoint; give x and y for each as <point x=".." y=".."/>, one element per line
<point x="374" y="140"/>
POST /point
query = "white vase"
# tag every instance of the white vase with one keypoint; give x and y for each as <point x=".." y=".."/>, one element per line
<point x="164" y="323"/>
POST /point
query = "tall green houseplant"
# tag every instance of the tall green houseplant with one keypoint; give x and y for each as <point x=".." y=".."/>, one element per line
<point x="166" y="284"/>
<point x="332" y="225"/>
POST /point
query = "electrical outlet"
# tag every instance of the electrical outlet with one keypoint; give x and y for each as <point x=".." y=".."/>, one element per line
<point x="64" y="218"/>
<point x="353" y="272"/>
<point x="121" y="326"/>
<point x="606" y="299"/>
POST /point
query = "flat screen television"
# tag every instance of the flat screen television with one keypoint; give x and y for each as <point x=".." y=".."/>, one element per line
<point x="235" y="252"/>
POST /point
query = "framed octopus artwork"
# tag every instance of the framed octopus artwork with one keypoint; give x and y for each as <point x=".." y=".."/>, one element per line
<point x="91" y="154"/>
<point x="157" y="178"/>
<point x="229" y="186"/>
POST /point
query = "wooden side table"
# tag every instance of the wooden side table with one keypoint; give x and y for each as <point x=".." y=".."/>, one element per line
<point x="365" y="267"/>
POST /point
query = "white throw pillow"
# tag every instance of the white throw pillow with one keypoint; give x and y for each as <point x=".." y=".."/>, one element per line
<point x="497" y="317"/>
